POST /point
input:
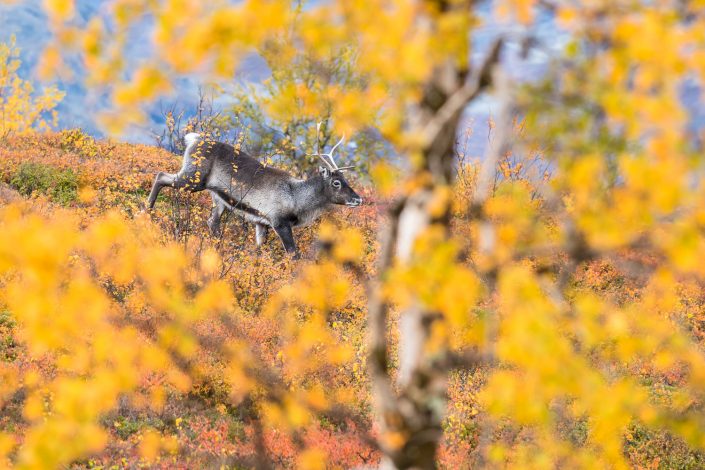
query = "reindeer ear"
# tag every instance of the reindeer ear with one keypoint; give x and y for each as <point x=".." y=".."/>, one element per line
<point x="325" y="172"/>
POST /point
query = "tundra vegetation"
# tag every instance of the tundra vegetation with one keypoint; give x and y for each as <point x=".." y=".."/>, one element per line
<point x="537" y="306"/>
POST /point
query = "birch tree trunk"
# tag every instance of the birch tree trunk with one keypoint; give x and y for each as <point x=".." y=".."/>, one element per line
<point x="412" y="410"/>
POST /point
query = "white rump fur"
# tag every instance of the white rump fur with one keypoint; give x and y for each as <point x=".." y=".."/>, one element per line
<point x="191" y="138"/>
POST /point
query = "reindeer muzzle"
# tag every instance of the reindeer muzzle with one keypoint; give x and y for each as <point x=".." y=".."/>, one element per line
<point x="354" y="202"/>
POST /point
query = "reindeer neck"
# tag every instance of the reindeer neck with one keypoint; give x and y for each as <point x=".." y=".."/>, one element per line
<point x="311" y="193"/>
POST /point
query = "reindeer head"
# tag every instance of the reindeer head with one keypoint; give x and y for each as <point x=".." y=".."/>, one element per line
<point x="336" y="188"/>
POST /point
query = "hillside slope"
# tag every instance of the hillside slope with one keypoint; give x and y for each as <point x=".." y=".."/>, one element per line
<point x="67" y="182"/>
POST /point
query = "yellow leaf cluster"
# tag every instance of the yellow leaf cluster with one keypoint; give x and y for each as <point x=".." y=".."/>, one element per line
<point x="22" y="110"/>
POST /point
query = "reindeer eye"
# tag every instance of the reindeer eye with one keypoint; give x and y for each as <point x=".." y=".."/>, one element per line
<point x="336" y="184"/>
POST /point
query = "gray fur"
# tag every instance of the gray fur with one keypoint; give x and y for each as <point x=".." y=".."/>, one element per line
<point x="265" y="196"/>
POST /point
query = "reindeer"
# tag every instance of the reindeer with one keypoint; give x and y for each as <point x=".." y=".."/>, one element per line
<point x="265" y="196"/>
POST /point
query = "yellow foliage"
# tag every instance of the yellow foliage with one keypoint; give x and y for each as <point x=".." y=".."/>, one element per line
<point x="71" y="322"/>
<point x="59" y="10"/>
<point x="311" y="459"/>
<point x="21" y="109"/>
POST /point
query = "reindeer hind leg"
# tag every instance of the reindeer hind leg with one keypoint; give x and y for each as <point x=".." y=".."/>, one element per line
<point x="216" y="214"/>
<point x="261" y="232"/>
<point x="190" y="180"/>
<point x="162" y="179"/>
<point x="189" y="176"/>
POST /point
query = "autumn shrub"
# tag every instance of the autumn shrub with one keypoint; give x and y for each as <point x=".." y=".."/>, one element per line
<point x="35" y="178"/>
<point x="111" y="174"/>
<point x="76" y="140"/>
<point x="656" y="449"/>
<point x="124" y="173"/>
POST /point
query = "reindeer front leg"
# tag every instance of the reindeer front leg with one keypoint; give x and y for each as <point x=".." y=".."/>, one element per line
<point x="286" y="234"/>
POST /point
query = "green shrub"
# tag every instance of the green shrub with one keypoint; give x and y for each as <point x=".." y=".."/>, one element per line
<point x="8" y="347"/>
<point x="648" y="448"/>
<point x="60" y="185"/>
<point x="125" y="426"/>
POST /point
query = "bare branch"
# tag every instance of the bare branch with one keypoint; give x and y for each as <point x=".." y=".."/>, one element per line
<point x="458" y="100"/>
<point x="501" y="143"/>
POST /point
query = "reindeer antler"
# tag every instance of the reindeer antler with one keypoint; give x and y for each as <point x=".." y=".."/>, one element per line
<point x="330" y="162"/>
